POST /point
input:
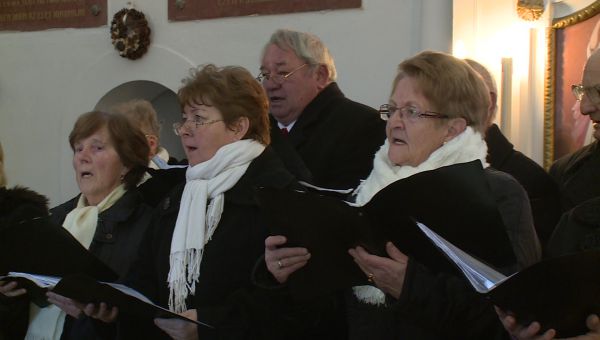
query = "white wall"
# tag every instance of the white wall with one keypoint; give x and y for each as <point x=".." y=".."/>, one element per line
<point x="488" y="31"/>
<point x="48" y="78"/>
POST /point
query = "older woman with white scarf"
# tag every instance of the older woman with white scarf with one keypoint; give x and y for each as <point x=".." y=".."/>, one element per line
<point x="435" y="117"/>
<point x="207" y="233"/>
<point x="108" y="217"/>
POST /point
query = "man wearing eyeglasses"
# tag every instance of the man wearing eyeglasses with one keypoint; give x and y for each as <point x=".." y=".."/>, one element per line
<point x="578" y="174"/>
<point x="322" y="136"/>
<point x="578" y="177"/>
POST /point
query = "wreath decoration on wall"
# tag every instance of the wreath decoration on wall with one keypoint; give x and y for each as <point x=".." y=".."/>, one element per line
<point x="130" y="33"/>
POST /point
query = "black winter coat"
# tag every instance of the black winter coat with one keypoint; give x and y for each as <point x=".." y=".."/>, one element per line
<point x="225" y="296"/>
<point x="437" y="305"/>
<point x="17" y="205"/>
<point x="577" y="176"/>
<point x="333" y="142"/>
<point x="540" y="187"/>
<point x="118" y="235"/>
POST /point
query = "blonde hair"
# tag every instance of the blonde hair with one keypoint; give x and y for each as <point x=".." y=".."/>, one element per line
<point x="450" y="85"/>
<point x="2" y="175"/>
<point x="140" y="113"/>
<point x="491" y="85"/>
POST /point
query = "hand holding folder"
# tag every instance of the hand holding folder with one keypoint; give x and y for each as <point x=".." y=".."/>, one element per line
<point x="84" y="289"/>
<point x="455" y="200"/>
<point x="558" y="292"/>
<point x="48" y="257"/>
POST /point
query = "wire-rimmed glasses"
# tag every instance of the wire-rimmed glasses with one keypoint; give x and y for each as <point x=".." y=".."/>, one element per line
<point x="197" y="121"/>
<point x="278" y="78"/>
<point x="593" y="92"/>
<point x="409" y="113"/>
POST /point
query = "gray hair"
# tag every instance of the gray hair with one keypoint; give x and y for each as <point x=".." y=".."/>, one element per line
<point x="306" y="46"/>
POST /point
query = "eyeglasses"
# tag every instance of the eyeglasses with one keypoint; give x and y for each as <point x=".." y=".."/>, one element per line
<point x="591" y="91"/>
<point x="198" y="121"/>
<point x="410" y="113"/>
<point x="278" y="78"/>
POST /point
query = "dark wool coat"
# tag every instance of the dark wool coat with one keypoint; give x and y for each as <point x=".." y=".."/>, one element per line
<point x="334" y="139"/>
<point x="578" y="230"/>
<point x="437" y="305"/>
<point x="225" y="296"/>
<point x="118" y="235"/>
<point x="17" y="205"/>
<point x="578" y="176"/>
<point x="540" y="187"/>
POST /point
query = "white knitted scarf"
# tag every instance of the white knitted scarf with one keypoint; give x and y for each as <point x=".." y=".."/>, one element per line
<point x="199" y="214"/>
<point x="47" y="323"/>
<point x="466" y="147"/>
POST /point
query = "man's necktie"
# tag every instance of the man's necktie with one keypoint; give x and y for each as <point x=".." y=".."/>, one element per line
<point x="284" y="131"/>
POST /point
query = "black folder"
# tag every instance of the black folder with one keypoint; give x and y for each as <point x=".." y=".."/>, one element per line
<point x="455" y="201"/>
<point x="42" y="247"/>
<point x="559" y="293"/>
<point x="85" y="289"/>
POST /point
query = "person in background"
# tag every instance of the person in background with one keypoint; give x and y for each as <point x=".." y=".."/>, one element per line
<point x="155" y="183"/>
<point x="322" y="136"/>
<point x="432" y="122"/>
<point x="541" y="189"/>
<point x="141" y="114"/>
<point x="107" y="217"/>
<point x="577" y="174"/>
<point x="578" y="177"/>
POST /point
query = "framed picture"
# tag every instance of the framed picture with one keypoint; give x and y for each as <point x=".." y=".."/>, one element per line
<point x="571" y="40"/>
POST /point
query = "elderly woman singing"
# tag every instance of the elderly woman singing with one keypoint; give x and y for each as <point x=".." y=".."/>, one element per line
<point x="435" y="118"/>
<point x="108" y="217"/>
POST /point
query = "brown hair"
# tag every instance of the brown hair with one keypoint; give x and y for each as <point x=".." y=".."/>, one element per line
<point x="450" y="85"/>
<point x="129" y="142"/>
<point x="234" y="92"/>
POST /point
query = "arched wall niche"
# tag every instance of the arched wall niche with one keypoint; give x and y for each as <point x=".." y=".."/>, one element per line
<point x="164" y="101"/>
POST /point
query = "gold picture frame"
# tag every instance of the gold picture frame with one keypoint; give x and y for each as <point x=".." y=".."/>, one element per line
<point x="560" y="75"/>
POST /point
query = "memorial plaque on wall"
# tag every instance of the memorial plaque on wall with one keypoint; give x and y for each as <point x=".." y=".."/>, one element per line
<point x="181" y="10"/>
<point x="37" y="15"/>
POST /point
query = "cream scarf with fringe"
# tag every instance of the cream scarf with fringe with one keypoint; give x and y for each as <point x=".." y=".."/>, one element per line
<point x="47" y="323"/>
<point x="466" y="147"/>
<point x="200" y="212"/>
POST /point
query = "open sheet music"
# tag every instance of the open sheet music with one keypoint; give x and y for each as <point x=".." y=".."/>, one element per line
<point x="559" y="292"/>
<point x="87" y="290"/>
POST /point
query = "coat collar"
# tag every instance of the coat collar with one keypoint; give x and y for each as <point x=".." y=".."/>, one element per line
<point x="312" y="113"/>
<point x="120" y="211"/>
<point x="499" y="147"/>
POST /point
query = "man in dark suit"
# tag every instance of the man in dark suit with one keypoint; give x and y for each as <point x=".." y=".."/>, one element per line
<point x="541" y="189"/>
<point x="328" y="139"/>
